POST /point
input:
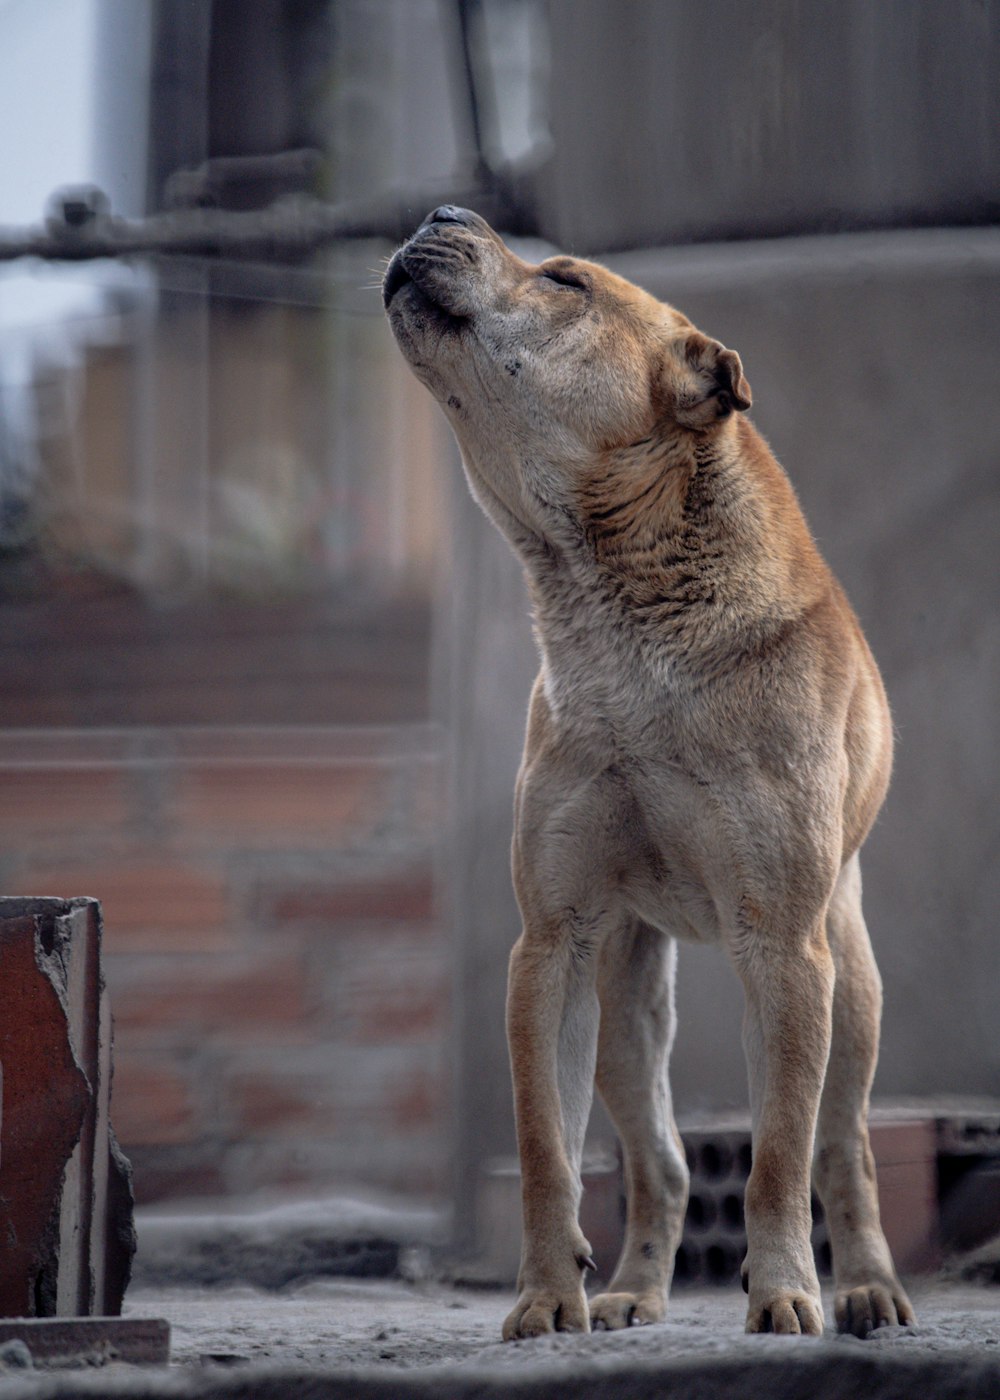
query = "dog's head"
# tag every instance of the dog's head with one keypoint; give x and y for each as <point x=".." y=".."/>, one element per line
<point x="542" y="369"/>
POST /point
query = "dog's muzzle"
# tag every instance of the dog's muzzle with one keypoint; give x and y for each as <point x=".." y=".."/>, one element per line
<point x="433" y="259"/>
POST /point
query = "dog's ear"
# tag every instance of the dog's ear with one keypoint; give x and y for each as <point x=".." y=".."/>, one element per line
<point x="710" y="382"/>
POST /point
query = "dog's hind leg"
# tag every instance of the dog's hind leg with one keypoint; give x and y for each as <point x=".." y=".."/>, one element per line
<point x="636" y="992"/>
<point x="552" y="1021"/>
<point x="868" y="1292"/>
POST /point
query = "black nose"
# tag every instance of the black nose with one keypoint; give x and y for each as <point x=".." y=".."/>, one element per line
<point x="450" y="214"/>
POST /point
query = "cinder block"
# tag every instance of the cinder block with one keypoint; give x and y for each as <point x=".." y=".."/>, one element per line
<point x="714" y="1239"/>
<point x="65" y="1187"/>
<point x="968" y="1171"/>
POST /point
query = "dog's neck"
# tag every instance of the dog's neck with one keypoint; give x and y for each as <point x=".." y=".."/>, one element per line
<point x="687" y="539"/>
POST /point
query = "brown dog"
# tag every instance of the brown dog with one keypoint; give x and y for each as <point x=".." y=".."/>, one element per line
<point x="708" y="744"/>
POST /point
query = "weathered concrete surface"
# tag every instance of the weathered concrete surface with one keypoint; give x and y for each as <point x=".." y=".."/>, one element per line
<point x="350" y="1339"/>
<point x="336" y="1336"/>
<point x="673" y="121"/>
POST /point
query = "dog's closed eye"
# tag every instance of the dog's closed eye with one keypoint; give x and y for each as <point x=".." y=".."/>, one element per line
<point x="560" y="277"/>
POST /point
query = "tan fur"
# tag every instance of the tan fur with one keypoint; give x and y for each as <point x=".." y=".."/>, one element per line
<point x="708" y="744"/>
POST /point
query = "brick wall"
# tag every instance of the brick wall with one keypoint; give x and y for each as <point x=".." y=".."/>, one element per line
<point x="278" y="970"/>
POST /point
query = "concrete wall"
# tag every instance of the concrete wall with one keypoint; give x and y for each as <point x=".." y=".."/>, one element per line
<point x="874" y="362"/>
<point x="672" y="120"/>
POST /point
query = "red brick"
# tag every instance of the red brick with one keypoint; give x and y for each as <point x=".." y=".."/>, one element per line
<point x="46" y="1102"/>
<point x="64" y="1190"/>
<point x="152" y="1101"/>
<point x="406" y="898"/>
<point x="263" y="1105"/>
<point x="148" y="907"/>
<point x="164" y="1172"/>
<point x="239" y="995"/>
<point x="337" y="1091"/>
<point x="279" y="805"/>
<point x="64" y="804"/>
<point x="430" y="798"/>
<point x="399" y="999"/>
<point x="417" y="1016"/>
<point x="418" y="1102"/>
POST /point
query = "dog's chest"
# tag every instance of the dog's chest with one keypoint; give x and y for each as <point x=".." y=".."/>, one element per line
<point x="670" y="875"/>
<point x="599" y="680"/>
<point x="641" y="810"/>
<point x="666" y="783"/>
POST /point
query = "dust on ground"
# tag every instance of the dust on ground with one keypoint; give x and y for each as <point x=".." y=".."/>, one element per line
<point x="338" y="1339"/>
<point x="332" y="1323"/>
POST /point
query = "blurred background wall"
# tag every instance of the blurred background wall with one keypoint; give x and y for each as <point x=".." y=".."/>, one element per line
<point x="221" y="506"/>
<point x="265" y="667"/>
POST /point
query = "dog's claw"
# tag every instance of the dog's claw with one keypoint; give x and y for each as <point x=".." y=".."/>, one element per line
<point x="586" y="1263"/>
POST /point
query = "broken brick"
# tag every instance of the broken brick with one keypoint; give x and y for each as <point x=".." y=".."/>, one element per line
<point x="65" y="1188"/>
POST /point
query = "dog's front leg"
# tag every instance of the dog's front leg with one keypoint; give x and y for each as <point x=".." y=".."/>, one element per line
<point x="552" y="1024"/>
<point x="788" y="984"/>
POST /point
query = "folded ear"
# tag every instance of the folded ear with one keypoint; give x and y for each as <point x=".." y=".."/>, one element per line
<point x="710" y="382"/>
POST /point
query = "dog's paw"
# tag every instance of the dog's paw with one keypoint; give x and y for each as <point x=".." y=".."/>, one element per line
<point x="869" y="1305"/>
<point x="541" y="1310"/>
<point x="615" y="1310"/>
<point x="787" y="1312"/>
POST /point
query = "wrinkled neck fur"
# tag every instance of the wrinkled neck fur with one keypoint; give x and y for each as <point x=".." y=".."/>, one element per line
<point x="677" y="538"/>
<point x="638" y="493"/>
<point x="661" y="516"/>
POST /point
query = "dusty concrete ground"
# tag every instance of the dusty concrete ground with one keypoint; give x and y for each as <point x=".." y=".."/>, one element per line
<point x="259" y="1306"/>
<point x="398" y="1326"/>
<point x="374" y="1339"/>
